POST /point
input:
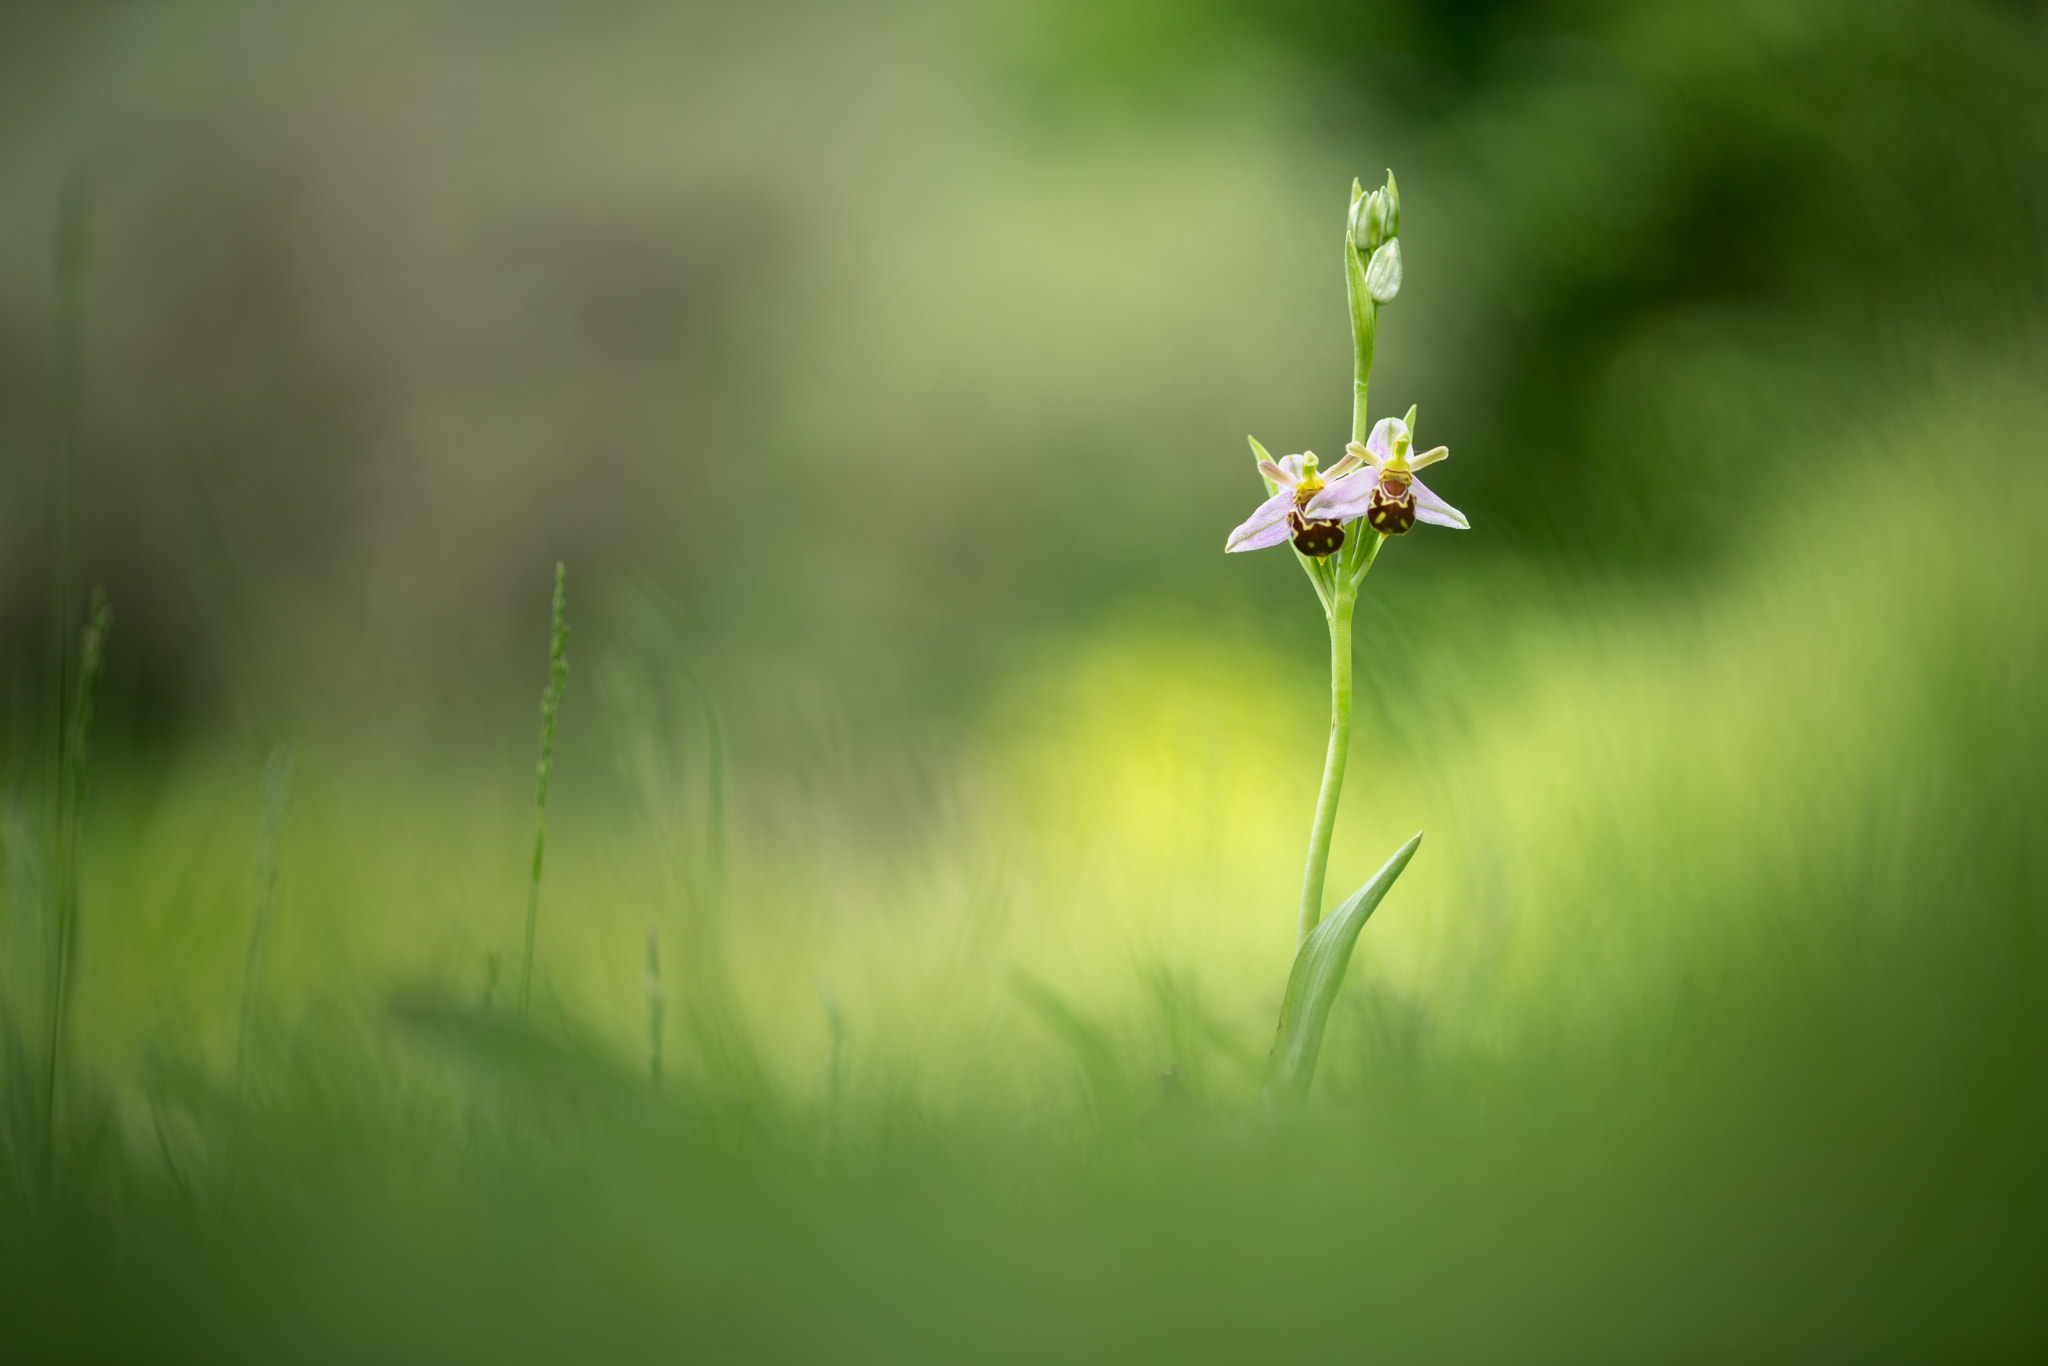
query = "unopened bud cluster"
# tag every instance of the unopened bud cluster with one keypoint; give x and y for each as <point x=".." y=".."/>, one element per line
<point x="1376" y="236"/>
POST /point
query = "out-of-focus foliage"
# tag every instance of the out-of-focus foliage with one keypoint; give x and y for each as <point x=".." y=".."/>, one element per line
<point x="1619" y="197"/>
<point x="883" y="376"/>
<point x="1712" y="1017"/>
<point x="830" y="318"/>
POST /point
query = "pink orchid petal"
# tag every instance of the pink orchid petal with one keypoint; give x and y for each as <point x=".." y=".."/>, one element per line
<point x="1343" y="500"/>
<point x="1380" y="445"/>
<point x="1434" y="510"/>
<point x="1266" y="526"/>
<point x="1279" y="476"/>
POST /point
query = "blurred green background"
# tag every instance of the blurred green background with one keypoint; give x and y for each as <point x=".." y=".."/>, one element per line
<point x="881" y="374"/>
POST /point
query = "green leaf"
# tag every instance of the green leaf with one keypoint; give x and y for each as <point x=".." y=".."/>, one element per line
<point x="1318" y="972"/>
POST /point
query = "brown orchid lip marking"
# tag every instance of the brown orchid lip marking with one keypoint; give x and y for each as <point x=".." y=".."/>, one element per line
<point x="1391" y="508"/>
<point x="1373" y="482"/>
<point x="1316" y="537"/>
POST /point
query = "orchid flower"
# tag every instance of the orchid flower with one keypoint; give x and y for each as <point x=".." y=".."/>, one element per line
<point x="1286" y="515"/>
<point x="1311" y="508"/>
<point x="1395" y="500"/>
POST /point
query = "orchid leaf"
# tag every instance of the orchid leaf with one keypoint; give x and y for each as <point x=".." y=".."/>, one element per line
<point x="1318" y="973"/>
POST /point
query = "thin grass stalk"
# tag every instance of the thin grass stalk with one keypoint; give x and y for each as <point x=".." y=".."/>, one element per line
<point x="714" y="808"/>
<point x="67" y="352"/>
<point x="74" y="745"/>
<point x="657" y="1006"/>
<point x="550" y="706"/>
<point x="835" y="1064"/>
<point x="277" y="788"/>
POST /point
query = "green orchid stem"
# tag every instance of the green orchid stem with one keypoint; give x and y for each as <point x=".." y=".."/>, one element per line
<point x="1346" y="570"/>
<point x="1365" y="323"/>
<point x="1333" y="764"/>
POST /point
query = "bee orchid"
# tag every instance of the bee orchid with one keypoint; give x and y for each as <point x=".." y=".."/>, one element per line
<point x="1319" y="511"/>
<point x="1287" y="516"/>
<point x="1391" y="498"/>
<point x="1375" y="481"/>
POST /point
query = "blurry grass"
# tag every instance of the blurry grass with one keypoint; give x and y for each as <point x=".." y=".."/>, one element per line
<point x="1711" y="1022"/>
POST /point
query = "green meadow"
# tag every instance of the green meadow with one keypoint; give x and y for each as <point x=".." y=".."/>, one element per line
<point x="927" y="800"/>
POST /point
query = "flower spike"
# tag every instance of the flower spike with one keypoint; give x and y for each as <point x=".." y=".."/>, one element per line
<point x="1318" y="510"/>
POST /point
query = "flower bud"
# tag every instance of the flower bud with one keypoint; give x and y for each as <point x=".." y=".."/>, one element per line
<point x="1368" y="222"/>
<point x="1383" y="272"/>
<point x="1376" y="218"/>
